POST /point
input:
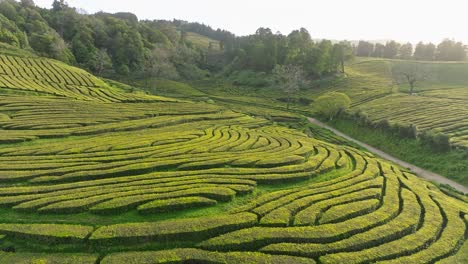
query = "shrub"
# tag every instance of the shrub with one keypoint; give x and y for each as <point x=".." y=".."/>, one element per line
<point x="181" y="230"/>
<point x="406" y="131"/>
<point x="191" y="255"/>
<point x="436" y="139"/>
<point x="384" y="124"/>
<point x="331" y="104"/>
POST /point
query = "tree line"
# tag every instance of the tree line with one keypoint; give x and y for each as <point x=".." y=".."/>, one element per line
<point x="447" y="50"/>
<point x="101" y="43"/>
<point x="121" y="43"/>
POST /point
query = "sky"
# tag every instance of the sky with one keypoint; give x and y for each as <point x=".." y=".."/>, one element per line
<point x="402" y="20"/>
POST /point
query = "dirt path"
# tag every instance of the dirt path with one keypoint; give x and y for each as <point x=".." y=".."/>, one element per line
<point x="419" y="171"/>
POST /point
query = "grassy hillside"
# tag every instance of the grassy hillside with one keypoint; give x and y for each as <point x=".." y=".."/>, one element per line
<point x="85" y="179"/>
<point x="203" y="42"/>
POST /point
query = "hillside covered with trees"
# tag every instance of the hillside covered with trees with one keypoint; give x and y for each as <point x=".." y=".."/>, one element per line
<point x="107" y="44"/>
<point x="119" y="45"/>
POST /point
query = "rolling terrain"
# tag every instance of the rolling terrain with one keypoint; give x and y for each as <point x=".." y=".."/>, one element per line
<point x="438" y="102"/>
<point x="437" y="105"/>
<point x="94" y="173"/>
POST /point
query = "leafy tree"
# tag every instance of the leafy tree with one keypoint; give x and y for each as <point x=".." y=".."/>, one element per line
<point x="289" y="78"/>
<point x="261" y="50"/>
<point x="378" y="50"/>
<point x="100" y="62"/>
<point x="449" y="50"/>
<point x="342" y="52"/>
<point x="419" y="51"/>
<point x="8" y="10"/>
<point x="364" y="49"/>
<point x="391" y="49"/>
<point x="83" y="47"/>
<point x="410" y="74"/>
<point x="130" y="17"/>
<point x="406" y="51"/>
<point x="429" y="52"/>
<point x="11" y="34"/>
<point x="331" y="104"/>
<point x="27" y="3"/>
<point x="425" y="51"/>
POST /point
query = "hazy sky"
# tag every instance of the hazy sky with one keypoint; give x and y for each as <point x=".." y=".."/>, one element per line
<point x="403" y="20"/>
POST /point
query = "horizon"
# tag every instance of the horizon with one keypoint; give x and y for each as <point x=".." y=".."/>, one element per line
<point x="358" y="22"/>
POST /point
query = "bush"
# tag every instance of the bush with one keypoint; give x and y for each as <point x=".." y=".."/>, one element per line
<point x="181" y="229"/>
<point x="302" y="101"/>
<point x="332" y="104"/>
<point x="361" y="117"/>
<point x="123" y="70"/>
<point x="191" y="255"/>
<point x="406" y="131"/>
<point x="250" y="78"/>
<point x="384" y="124"/>
<point x="436" y="139"/>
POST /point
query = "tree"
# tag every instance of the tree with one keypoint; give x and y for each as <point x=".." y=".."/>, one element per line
<point x="409" y="73"/>
<point x="406" y="51"/>
<point x="379" y="50"/>
<point x="419" y="51"/>
<point x="100" y="62"/>
<point x="364" y="49"/>
<point x="8" y="10"/>
<point x="342" y="52"/>
<point x="429" y="52"/>
<point x="289" y="78"/>
<point x="391" y="49"/>
<point x="449" y="50"/>
<point x="59" y="5"/>
<point x="425" y="51"/>
<point x="331" y="104"/>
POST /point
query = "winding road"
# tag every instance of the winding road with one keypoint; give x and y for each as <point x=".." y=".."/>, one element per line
<point x="419" y="171"/>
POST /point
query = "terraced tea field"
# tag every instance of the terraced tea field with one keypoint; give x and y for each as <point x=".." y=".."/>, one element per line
<point x="439" y="103"/>
<point x="160" y="180"/>
<point x="45" y="76"/>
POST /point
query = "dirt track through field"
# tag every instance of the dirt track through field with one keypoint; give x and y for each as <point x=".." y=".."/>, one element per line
<point x="417" y="170"/>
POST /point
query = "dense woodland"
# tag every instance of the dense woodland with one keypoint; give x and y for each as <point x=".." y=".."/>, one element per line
<point x="120" y="43"/>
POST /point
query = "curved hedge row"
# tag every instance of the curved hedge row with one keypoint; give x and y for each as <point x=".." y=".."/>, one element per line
<point x="147" y="163"/>
<point x="189" y="255"/>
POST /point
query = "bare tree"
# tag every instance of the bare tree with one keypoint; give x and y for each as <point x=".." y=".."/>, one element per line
<point x="409" y="73"/>
<point x="289" y="78"/>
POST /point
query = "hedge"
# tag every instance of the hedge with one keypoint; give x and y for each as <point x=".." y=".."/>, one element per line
<point x="47" y="232"/>
<point x="175" y="204"/>
<point x="35" y="258"/>
<point x="184" y="229"/>
<point x="190" y="255"/>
